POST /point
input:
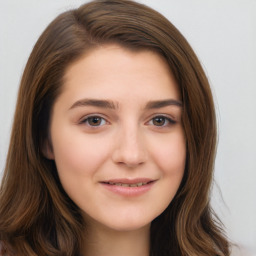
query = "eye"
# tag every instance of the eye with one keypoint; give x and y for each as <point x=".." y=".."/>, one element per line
<point x="161" y="121"/>
<point x="94" y="121"/>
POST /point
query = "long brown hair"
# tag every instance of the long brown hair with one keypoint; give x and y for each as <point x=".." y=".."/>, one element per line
<point x="36" y="215"/>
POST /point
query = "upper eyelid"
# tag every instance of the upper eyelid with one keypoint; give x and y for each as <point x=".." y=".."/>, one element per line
<point x="167" y="116"/>
<point x="85" y="122"/>
<point x="85" y="117"/>
<point x="169" y="119"/>
<point x="107" y="119"/>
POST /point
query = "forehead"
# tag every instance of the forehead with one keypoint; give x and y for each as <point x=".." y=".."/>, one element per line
<point x="114" y="70"/>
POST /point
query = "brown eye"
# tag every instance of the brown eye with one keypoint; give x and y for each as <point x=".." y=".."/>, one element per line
<point x="159" y="121"/>
<point x="95" y="121"/>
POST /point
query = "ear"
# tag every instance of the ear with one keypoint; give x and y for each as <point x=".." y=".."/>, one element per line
<point x="47" y="149"/>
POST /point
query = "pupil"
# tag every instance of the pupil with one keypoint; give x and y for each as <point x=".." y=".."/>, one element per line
<point x="159" y="121"/>
<point x="94" y="121"/>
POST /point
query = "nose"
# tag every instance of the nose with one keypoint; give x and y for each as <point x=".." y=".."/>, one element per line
<point x="130" y="149"/>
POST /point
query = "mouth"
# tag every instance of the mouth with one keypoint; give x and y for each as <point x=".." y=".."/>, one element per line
<point x="129" y="187"/>
<point x="138" y="184"/>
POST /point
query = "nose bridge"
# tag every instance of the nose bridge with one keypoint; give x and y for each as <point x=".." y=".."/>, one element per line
<point x="130" y="149"/>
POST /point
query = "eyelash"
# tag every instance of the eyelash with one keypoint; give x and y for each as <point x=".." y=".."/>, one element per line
<point x="87" y="119"/>
<point x="167" y="121"/>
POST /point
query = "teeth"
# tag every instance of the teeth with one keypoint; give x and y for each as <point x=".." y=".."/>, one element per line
<point x="128" y="185"/>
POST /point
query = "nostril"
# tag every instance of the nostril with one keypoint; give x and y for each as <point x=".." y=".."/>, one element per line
<point x="129" y="159"/>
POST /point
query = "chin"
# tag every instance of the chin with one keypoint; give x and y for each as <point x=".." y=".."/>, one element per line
<point x="129" y="224"/>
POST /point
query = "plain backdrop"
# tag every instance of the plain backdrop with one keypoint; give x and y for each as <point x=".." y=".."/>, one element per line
<point x="223" y="34"/>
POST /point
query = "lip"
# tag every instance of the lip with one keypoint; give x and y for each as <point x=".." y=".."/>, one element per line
<point x="115" y="186"/>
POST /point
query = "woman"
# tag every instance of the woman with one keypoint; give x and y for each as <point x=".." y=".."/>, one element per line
<point x="113" y="141"/>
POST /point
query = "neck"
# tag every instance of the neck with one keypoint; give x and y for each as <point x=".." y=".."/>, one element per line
<point x="101" y="241"/>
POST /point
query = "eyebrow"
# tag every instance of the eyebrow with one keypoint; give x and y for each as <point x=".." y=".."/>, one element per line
<point x="112" y="105"/>
<point x="163" y="103"/>
<point x="95" y="103"/>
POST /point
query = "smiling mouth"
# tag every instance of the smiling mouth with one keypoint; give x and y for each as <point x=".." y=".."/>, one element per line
<point x="129" y="187"/>
<point x="139" y="184"/>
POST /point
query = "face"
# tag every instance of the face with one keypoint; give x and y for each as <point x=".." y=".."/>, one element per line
<point x="117" y="138"/>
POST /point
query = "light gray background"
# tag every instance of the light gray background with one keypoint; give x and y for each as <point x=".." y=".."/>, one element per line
<point x="223" y="34"/>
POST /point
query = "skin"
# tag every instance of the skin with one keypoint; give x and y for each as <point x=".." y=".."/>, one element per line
<point x="124" y="135"/>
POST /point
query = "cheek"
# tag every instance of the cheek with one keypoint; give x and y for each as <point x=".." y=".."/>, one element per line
<point x="78" y="161"/>
<point x="77" y="155"/>
<point x="171" y="156"/>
